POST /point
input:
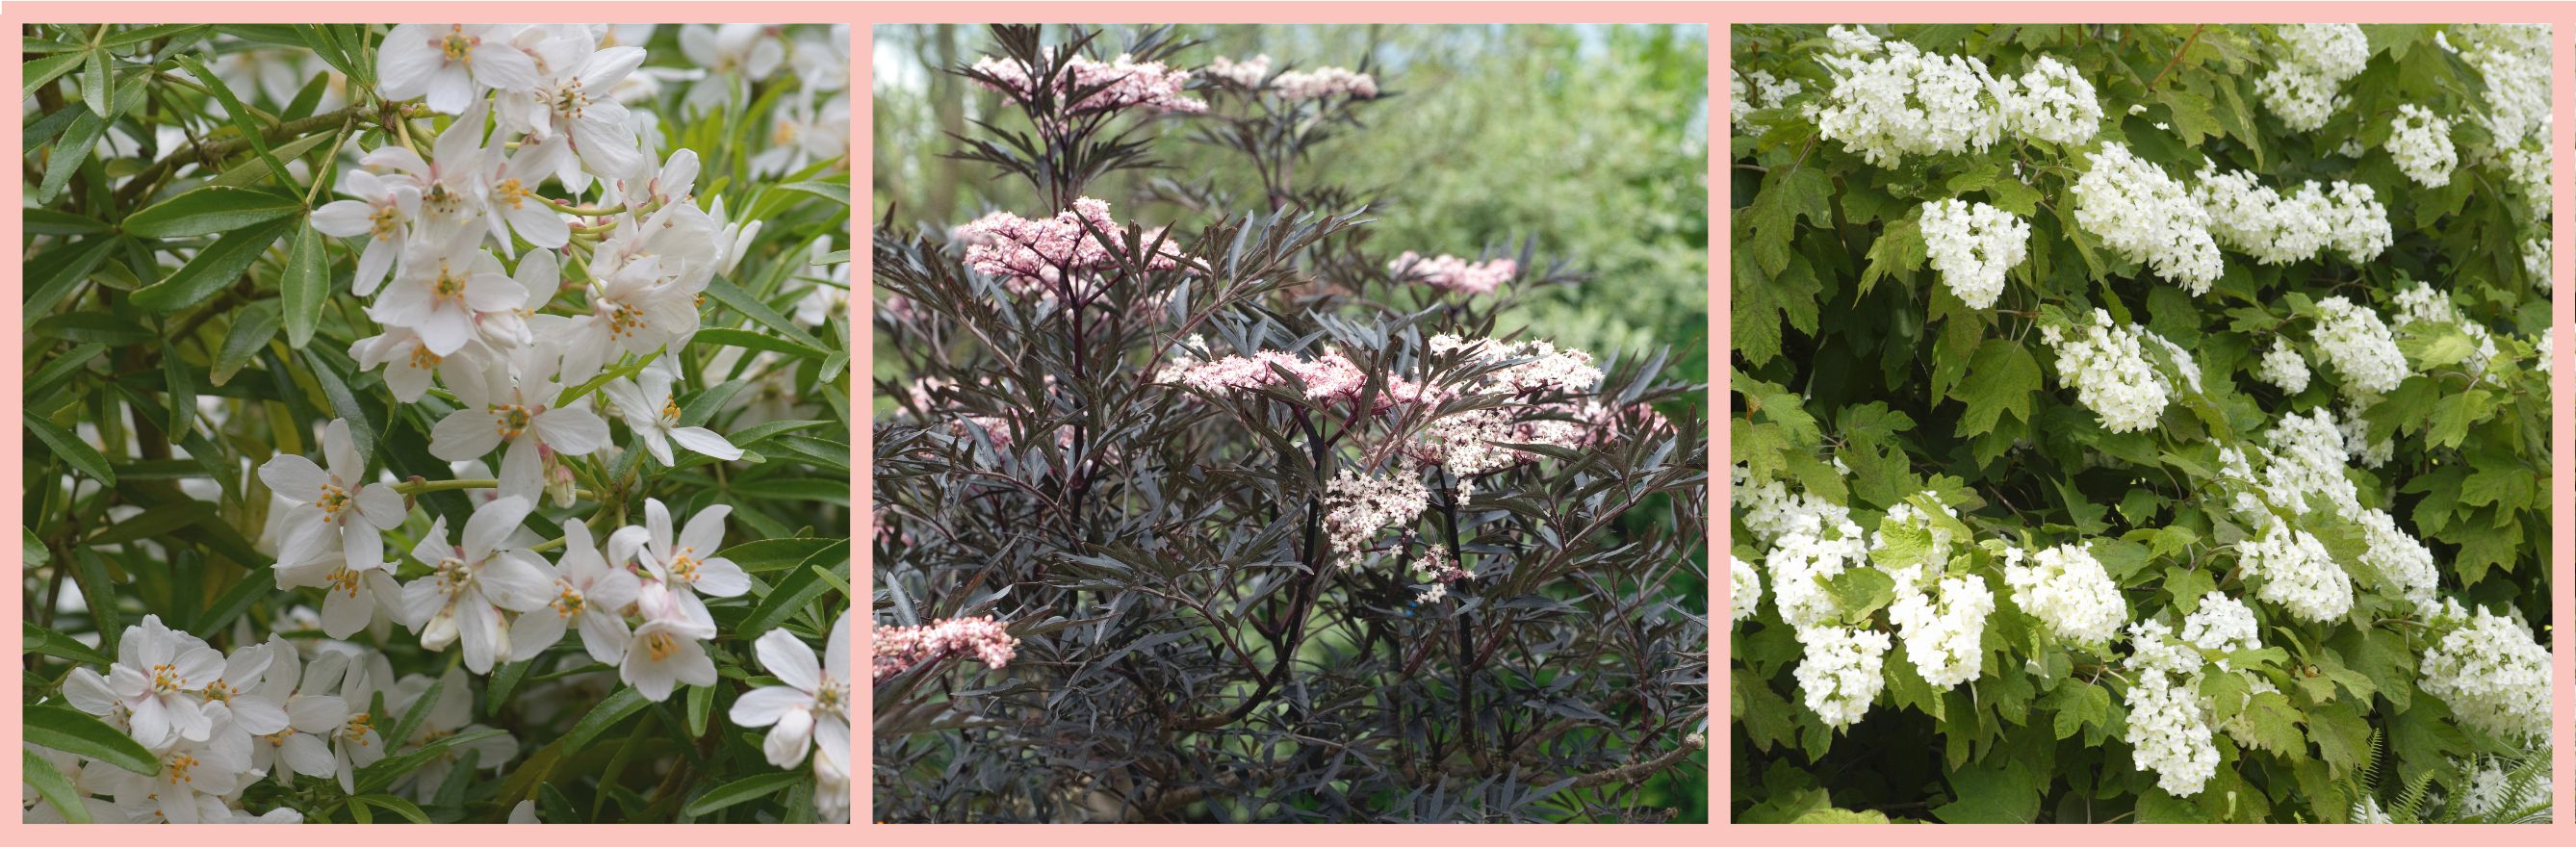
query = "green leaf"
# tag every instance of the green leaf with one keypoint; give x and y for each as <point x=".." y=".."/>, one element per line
<point x="2002" y="379"/>
<point x="2002" y="791"/>
<point x="754" y="341"/>
<point x="95" y="82"/>
<point x="50" y="783"/>
<point x="213" y="269"/>
<point x="1861" y="592"/>
<point x="253" y="326"/>
<point x="93" y="328"/>
<point x="180" y="391"/>
<point x="240" y="115"/>
<point x="776" y="554"/>
<point x="73" y="451"/>
<point x="624" y="702"/>
<point x="154" y="523"/>
<point x="798" y="589"/>
<point x="62" y="728"/>
<point x="723" y="291"/>
<point x="2273" y="725"/>
<point x="344" y="403"/>
<point x="742" y="791"/>
<point x="375" y="777"/>
<point x="306" y="287"/>
<point x="39" y="72"/>
<point x="838" y="192"/>
<point x="67" y="154"/>
<point x="42" y="641"/>
<point x="211" y="210"/>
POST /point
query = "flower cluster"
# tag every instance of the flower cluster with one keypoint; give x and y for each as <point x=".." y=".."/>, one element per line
<point x="1973" y="245"/>
<point x="1324" y="82"/>
<point x="2168" y="730"/>
<point x="2067" y="589"/>
<point x="2108" y="367"/>
<point x="2364" y="353"/>
<point x="1450" y="273"/>
<point x="1944" y="628"/>
<point x="2276" y="228"/>
<point x="1743" y="589"/>
<point x="1114" y="85"/>
<point x="1437" y="570"/>
<point x="1841" y="672"/>
<point x="2283" y="367"/>
<point x="1757" y="91"/>
<point x="2144" y="214"/>
<point x="1076" y="252"/>
<point x="2296" y="573"/>
<point x="1891" y="99"/>
<point x="2420" y="142"/>
<point x="2313" y="61"/>
<point x="902" y="648"/>
<point x="2491" y="672"/>
<point x="1357" y="507"/>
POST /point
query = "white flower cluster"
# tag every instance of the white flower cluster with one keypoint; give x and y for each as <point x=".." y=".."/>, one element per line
<point x="1891" y="100"/>
<point x="2109" y="370"/>
<point x="1743" y="589"/>
<point x="2536" y="260"/>
<point x="2426" y="305"/>
<point x="1801" y="564"/>
<point x="1973" y="245"/>
<point x="2492" y="673"/>
<point x="1358" y="506"/>
<point x="2307" y="458"/>
<point x="2274" y="228"/>
<point x="2282" y="366"/>
<point x="2067" y="589"/>
<point x="1753" y="92"/>
<point x="2513" y="60"/>
<point x="2223" y="624"/>
<point x="1841" y="672"/>
<point x="2544" y="350"/>
<point x="2296" y="573"/>
<point x="2053" y="103"/>
<point x="2420" y="142"/>
<point x="2356" y="433"/>
<point x="2144" y="214"/>
<point x="2305" y="84"/>
<point x="2168" y="729"/>
<point x="2363" y="352"/>
<point x="2399" y="558"/>
<point x="1944" y="626"/>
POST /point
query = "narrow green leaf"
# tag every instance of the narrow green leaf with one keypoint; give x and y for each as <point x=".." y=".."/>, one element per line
<point x="625" y="702"/>
<point x="57" y="790"/>
<point x="741" y="791"/>
<point x="240" y="114"/>
<point x="154" y="522"/>
<point x="795" y="590"/>
<point x="39" y="640"/>
<point x="76" y="145"/>
<point x="252" y="327"/>
<point x="42" y="71"/>
<point x="210" y="210"/>
<point x="52" y="276"/>
<point x="306" y="285"/>
<point x="362" y="429"/>
<point x="92" y="328"/>
<point x="95" y="83"/>
<point x="723" y="291"/>
<point x="62" y="728"/>
<point x="755" y="341"/>
<point x="73" y="451"/>
<point x="212" y="270"/>
<point x="182" y="390"/>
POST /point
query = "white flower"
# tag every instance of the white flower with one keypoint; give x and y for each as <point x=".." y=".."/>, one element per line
<point x="2360" y="347"/>
<point x="589" y="594"/>
<point x="383" y="213"/>
<point x="1944" y="628"/>
<point x="2169" y="734"/>
<point x="1973" y="245"/>
<point x="635" y="310"/>
<point x="2303" y="88"/>
<point x="572" y="103"/>
<point x="311" y="715"/>
<point x="235" y="699"/>
<point x="653" y="412"/>
<point x="665" y="655"/>
<point x="686" y="565"/>
<point x="446" y="285"/>
<point x="2281" y="366"/>
<point x="2297" y="574"/>
<point x="811" y="705"/>
<point x="1841" y="672"/>
<point x="2108" y="368"/>
<point x="409" y="365"/>
<point x="2067" y="589"/>
<point x="1900" y="102"/>
<point x="2053" y="103"/>
<point x="2494" y="676"/>
<point x="497" y="409"/>
<point x="334" y="512"/>
<point x="2147" y="216"/>
<point x="452" y="64"/>
<point x="512" y="204"/>
<point x="2420" y="142"/>
<point x="157" y="683"/>
<point x="474" y="583"/>
<point x="195" y="775"/>
<point x="1744" y="589"/>
<point x="2222" y="623"/>
<point x="734" y="56"/>
<point x="356" y="743"/>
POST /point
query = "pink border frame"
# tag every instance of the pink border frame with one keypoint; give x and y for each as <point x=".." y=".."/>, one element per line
<point x="1717" y="15"/>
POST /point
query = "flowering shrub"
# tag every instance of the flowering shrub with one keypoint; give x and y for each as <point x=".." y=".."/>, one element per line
<point x="423" y="432"/>
<point x="1198" y="505"/>
<point x="2140" y="423"/>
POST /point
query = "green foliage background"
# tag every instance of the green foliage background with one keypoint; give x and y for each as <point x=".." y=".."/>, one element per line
<point x="224" y="294"/>
<point x="1847" y="347"/>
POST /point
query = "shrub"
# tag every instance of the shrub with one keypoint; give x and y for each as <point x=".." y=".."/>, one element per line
<point x="1244" y="517"/>
<point x="2139" y="422"/>
<point x="297" y="291"/>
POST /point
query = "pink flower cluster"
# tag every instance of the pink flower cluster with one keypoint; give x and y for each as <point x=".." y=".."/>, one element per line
<point x="1357" y="507"/>
<point x="1549" y="369"/>
<point x="1438" y="569"/>
<point x="902" y="648"/>
<point x="1122" y="82"/>
<point x="1331" y="376"/>
<point x="1450" y="273"/>
<point x="1034" y="256"/>
<point x="1247" y="73"/>
<point x="1325" y="82"/>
